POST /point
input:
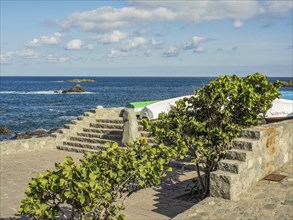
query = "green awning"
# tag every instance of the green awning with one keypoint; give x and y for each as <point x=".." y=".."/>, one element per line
<point x="138" y="106"/>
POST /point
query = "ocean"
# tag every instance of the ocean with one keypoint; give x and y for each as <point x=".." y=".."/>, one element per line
<point x="30" y="103"/>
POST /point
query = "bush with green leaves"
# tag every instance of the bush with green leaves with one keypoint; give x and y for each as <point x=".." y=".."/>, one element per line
<point x="205" y="124"/>
<point x="97" y="187"/>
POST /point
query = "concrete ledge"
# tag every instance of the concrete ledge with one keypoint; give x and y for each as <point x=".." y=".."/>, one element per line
<point x="26" y="145"/>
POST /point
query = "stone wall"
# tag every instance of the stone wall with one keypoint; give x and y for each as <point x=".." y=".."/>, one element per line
<point x="258" y="152"/>
<point x="26" y="145"/>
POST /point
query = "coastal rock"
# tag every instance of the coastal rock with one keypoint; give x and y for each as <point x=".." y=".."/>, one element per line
<point x="81" y="80"/>
<point x="76" y="88"/>
<point x="287" y="83"/>
<point x="33" y="134"/>
<point x="4" y="130"/>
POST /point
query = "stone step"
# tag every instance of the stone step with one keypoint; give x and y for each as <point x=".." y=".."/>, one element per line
<point x="182" y="165"/>
<point x="93" y="110"/>
<point x="221" y="183"/>
<point x="75" y="149"/>
<point x="236" y="154"/>
<point x="100" y="135"/>
<point x="84" y="145"/>
<point x="232" y="166"/>
<point x="90" y="140"/>
<point x="110" y="121"/>
<point x="252" y="133"/>
<point x="74" y="122"/>
<point x="69" y="126"/>
<point x="80" y="118"/>
<point x="88" y="114"/>
<point x="106" y="125"/>
<point x="103" y="131"/>
<point x="111" y="112"/>
<point x="244" y="144"/>
<point x="54" y="135"/>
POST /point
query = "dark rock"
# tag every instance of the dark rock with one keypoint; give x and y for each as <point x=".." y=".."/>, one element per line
<point x="4" y="130"/>
<point x="31" y="134"/>
<point x="287" y="83"/>
<point x="81" y="80"/>
<point x="76" y="88"/>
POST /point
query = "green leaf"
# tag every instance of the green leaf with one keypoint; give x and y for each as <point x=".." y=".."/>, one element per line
<point x="121" y="173"/>
<point x="82" y="199"/>
<point x="93" y="176"/>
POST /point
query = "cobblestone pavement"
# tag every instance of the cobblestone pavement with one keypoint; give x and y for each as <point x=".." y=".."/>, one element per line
<point x="151" y="203"/>
<point x="267" y="200"/>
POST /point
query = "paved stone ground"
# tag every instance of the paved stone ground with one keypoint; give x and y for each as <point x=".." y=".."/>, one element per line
<point x="151" y="203"/>
<point x="266" y="200"/>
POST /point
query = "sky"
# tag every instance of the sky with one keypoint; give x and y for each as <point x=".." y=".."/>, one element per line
<point x="146" y="38"/>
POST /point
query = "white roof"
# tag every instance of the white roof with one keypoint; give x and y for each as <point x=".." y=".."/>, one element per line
<point x="281" y="108"/>
<point x="152" y="111"/>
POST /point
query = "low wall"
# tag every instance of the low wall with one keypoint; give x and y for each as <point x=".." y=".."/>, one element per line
<point x="26" y="145"/>
<point x="258" y="152"/>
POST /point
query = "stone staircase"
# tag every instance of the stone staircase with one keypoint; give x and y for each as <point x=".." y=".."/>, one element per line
<point x="90" y="132"/>
<point x="235" y="172"/>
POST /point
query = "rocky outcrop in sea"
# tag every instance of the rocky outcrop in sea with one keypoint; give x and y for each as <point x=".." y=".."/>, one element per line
<point x="76" y="88"/>
<point x="287" y="83"/>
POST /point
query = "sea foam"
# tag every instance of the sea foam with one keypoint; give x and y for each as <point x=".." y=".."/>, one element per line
<point x="54" y="92"/>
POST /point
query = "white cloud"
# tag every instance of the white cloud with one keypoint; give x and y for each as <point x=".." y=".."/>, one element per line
<point x="156" y="44"/>
<point x="90" y="47"/>
<point x="195" y="42"/>
<point x="46" y="40"/>
<point x="114" y="37"/>
<point x="199" y="50"/>
<point x="50" y="58"/>
<point x="137" y="43"/>
<point x="238" y="24"/>
<point x="172" y="51"/>
<point x="134" y="43"/>
<point x="29" y="55"/>
<point x="5" y="59"/>
<point x="26" y="54"/>
<point x="140" y="12"/>
<point x="108" y="18"/>
<point x="147" y="53"/>
<point x="75" y="44"/>
<point x="279" y="7"/>
<point x="114" y="53"/>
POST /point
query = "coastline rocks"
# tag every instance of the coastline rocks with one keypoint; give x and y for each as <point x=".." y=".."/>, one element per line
<point x="287" y="83"/>
<point x="4" y="130"/>
<point x="81" y="80"/>
<point x="76" y="88"/>
<point x="33" y="134"/>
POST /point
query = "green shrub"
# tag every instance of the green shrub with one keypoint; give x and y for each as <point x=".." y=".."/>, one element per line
<point x="97" y="187"/>
<point x="205" y="124"/>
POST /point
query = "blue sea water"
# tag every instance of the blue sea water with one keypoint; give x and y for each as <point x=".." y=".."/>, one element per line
<point x="30" y="103"/>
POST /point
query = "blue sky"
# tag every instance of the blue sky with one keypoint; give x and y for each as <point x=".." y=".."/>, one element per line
<point x="146" y="38"/>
